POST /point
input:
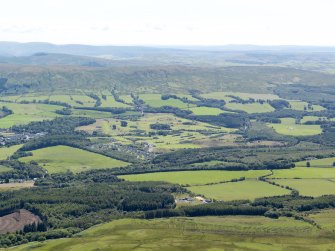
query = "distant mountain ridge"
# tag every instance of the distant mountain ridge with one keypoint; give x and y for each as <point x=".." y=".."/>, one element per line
<point x="28" y="49"/>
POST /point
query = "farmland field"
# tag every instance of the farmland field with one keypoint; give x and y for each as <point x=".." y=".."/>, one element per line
<point x="242" y="95"/>
<point x="186" y="133"/>
<point x="111" y="102"/>
<point x="310" y="187"/>
<point x="250" y="108"/>
<point x="4" y="169"/>
<point x="206" y="111"/>
<point x="301" y="106"/>
<point x="195" y="177"/>
<point x="289" y="127"/>
<point x="304" y="173"/>
<point x="59" y="159"/>
<point x="6" y="152"/>
<point x="74" y="100"/>
<point x="25" y="113"/>
<point x="90" y="114"/>
<point x="325" y="219"/>
<point x="240" y="233"/>
<point x="325" y="162"/>
<point x="154" y="100"/>
<point x="127" y="98"/>
<point x="243" y="190"/>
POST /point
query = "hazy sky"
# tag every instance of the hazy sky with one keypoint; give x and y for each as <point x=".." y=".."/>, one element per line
<point x="169" y="22"/>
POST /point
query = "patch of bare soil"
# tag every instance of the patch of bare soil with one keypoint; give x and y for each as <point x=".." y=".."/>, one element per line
<point x="13" y="222"/>
<point x="18" y="185"/>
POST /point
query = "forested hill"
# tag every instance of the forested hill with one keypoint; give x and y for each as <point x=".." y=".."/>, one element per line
<point x="19" y="79"/>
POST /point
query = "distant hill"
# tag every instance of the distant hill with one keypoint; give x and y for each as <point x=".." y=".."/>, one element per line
<point x="160" y="79"/>
<point x="28" y="49"/>
<point x="42" y="58"/>
<point x="299" y="57"/>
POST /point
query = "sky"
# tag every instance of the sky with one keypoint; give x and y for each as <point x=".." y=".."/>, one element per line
<point x="169" y="22"/>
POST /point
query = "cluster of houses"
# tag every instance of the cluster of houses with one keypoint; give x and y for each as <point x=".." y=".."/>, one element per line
<point x="9" y="138"/>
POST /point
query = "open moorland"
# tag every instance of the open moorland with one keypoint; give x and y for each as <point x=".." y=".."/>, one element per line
<point x="241" y="233"/>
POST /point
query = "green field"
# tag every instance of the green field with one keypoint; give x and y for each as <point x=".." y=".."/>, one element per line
<point x="59" y="159"/>
<point x="310" y="187"/>
<point x="250" y="108"/>
<point x="325" y="162"/>
<point x="242" y="95"/>
<point x="289" y="127"/>
<point x="4" y="169"/>
<point x="188" y="96"/>
<point x="301" y="105"/>
<point x="195" y="177"/>
<point x="111" y="102"/>
<point x="243" y="190"/>
<point x="26" y="113"/>
<point x="154" y="100"/>
<point x="311" y="118"/>
<point x="325" y="219"/>
<point x="206" y="111"/>
<point x="186" y="133"/>
<point x="6" y="152"/>
<point x="90" y="114"/>
<point x="218" y="96"/>
<point x="210" y="163"/>
<point x="304" y="173"/>
<point x="202" y="233"/>
<point x="73" y="100"/>
<point x="127" y="98"/>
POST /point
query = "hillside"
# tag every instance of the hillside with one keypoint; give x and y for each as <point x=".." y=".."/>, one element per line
<point x="159" y="79"/>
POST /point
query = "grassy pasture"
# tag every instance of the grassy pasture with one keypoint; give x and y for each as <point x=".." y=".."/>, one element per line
<point x="202" y="110"/>
<point x="26" y="113"/>
<point x="304" y="173"/>
<point x="210" y="163"/>
<point x="111" y="102"/>
<point x="4" y="169"/>
<point x="325" y="162"/>
<point x="310" y="187"/>
<point x="325" y="218"/>
<point x="248" y="189"/>
<point x="66" y="98"/>
<point x="71" y="100"/>
<point x="289" y="127"/>
<point x="143" y="124"/>
<point x="195" y="177"/>
<point x="6" y="152"/>
<point x="90" y="114"/>
<point x="250" y="108"/>
<point x="59" y="159"/>
<point x="217" y="95"/>
<point x="310" y="118"/>
<point x="186" y="131"/>
<point x="188" y="96"/>
<point x="154" y="100"/>
<point x="127" y="98"/>
<point x="300" y="106"/>
<point x="242" y="95"/>
<point x="199" y="233"/>
<point x="247" y="95"/>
